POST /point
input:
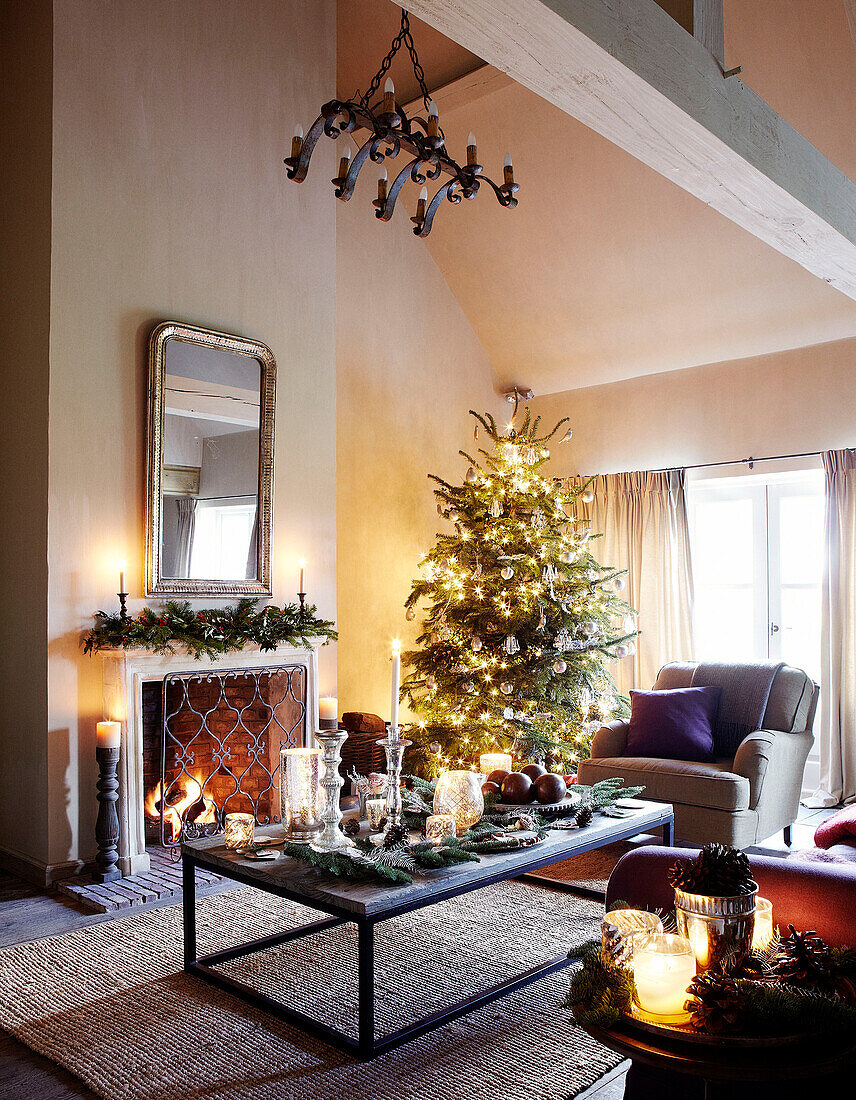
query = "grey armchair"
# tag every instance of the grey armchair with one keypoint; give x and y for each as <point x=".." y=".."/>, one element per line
<point x="737" y="801"/>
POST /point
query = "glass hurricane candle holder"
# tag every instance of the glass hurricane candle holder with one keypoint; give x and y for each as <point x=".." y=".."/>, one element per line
<point x="439" y="826"/>
<point x="494" y="762"/>
<point x="762" y="936"/>
<point x="663" y="967"/>
<point x="238" y="832"/>
<point x="460" y="794"/>
<point x="299" y="793"/>
<point x="620" y="928"/>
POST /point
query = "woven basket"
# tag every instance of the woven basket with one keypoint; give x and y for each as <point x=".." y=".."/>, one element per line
<point x="361" y="753"/>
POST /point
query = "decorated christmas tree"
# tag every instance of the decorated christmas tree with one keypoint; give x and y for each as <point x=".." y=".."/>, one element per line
<point x="520" y="620"/>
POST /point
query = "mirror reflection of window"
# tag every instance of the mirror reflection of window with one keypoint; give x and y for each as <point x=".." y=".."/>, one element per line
<point x="210" y="474"/>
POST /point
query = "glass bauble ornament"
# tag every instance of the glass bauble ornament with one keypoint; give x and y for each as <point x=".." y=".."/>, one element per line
<point x="460" y="793"/>
<point x="435" y="638"/>
<point x="506" y="688"/>
<point x="454" y="515"/>
<point x="410" y="614"/>
<point x="508" y="713"/>
<point x="631" y="649"/>
<point x="469" y="687"/>
<point x="477" y="643"/>
<point x="471" y="477"/>
<point x="435" y="747"/>
<point x="587" y="496"/>
<point x="620" y="584"/>
<point x="545" y="452"/>
<point x="511" y="645"/>
<point x="430" y="682"/>
<point x="622" y="651"/>
<point x="495" y="509"/>
<point x="590" y="628"/>
<point x="559" y="666"/>
<point x="507" y="573"/>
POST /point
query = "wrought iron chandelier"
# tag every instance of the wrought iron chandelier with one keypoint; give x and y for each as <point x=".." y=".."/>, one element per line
<point x="391" y="131"/>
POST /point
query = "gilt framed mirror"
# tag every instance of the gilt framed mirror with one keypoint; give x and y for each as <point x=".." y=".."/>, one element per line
<point x="209" y="477"/>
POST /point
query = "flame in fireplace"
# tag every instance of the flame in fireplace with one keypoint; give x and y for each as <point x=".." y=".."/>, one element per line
<point x="183" y="794"/>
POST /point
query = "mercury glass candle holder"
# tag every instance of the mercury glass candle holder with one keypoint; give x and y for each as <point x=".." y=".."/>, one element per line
<point x="762" y="935"/>
<point x="440" y="826"/>
<point x="495" y="761"/>
<point x="663" y="967"/>
<point x="331" y="837"/>
<point x="238" y="832"/>
<point x="376" y="811"/>
<point x="459" y="793"/>
<point x="393" y="745"/>
<point x="299" y="786"/>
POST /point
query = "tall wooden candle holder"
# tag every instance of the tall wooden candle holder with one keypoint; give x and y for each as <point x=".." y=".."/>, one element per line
<point x="107" y="823"/>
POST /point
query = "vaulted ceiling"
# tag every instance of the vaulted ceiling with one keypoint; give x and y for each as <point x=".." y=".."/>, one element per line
<point x="607" y="270"/>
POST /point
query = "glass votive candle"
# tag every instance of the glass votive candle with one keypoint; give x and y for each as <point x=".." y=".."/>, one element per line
<point x="238" y="831"/>
<point x="629" y="922"/>
<point x="440" y="826"/>
<point x="300" y="790"/>
<point x="494" y="762"/>
<point x="459" y="793"/>
<point x="663" y="967"/>
<point x="376" y="810"/>
<point x="762" y="936"/>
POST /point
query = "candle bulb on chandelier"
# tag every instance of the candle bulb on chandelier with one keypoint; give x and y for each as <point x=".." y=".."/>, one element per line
<point x="472" y="150"/>
<point x="433" y="128"/>
<point x="382" y="187"/>
<point x="389" y="97"/>
<point x="508" y="169"/>
<point x="297" y="142"/>
<point x="345" y="162"/>
<point x="422" y="204"/>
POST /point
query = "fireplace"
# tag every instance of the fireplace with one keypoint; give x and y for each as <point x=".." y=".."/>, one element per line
<point x="201" y="739"/>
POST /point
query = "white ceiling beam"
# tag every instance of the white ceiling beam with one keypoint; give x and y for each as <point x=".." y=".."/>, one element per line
<point x="627" y="70"/>
<point x="478" y="82"/>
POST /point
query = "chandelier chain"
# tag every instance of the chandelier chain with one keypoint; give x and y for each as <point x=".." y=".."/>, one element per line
<point x="403" y="38"/>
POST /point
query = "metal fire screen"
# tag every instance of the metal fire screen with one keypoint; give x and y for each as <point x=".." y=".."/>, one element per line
<point x="222" y="732"/>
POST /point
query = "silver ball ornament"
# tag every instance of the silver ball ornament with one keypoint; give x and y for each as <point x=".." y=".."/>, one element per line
<point x="590" y="628"/>
<point x="620" y="584"/>
<point x="622" y="651"/>
<point x="430" y="682"/>
<point x="507" y="573"/>
<point x="454" y="515"/>
<point x="477" y="643"/>
<point x="410" y="614"/>
<point x="587" y="496"/>
<point x="506" y="688"/>
<point x="559" y="667"/>
<point x="435" y="747"/>
<point x="471" y="477"/>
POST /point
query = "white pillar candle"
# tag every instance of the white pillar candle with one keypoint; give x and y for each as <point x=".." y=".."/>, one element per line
<point x="763" y="934"/>
<point x="396" y="682"/>
<point x="494" y="762"/>
<point x="108" y="735"/>
<point x="663" y="967"/>
<point x="328" y="710"/>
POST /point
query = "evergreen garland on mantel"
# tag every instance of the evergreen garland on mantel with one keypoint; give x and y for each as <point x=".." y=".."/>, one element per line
<point x="209" y="632"/>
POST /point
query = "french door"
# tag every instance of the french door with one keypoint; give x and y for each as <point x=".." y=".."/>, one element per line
<point x="757" y="552"/>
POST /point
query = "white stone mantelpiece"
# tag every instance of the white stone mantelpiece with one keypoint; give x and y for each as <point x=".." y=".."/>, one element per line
<point x="124" y="671"/>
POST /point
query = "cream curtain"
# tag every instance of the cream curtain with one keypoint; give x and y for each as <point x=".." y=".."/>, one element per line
<point x="837" y="733"/>
<point x="643" y="520"/>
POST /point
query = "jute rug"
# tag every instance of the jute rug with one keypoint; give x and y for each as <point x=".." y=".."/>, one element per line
<point x="112" y="1004"/>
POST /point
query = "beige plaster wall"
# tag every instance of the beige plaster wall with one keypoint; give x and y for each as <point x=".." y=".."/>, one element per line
<point x="171" y="119"/>
<point x="25" y="247"/>
<point x="409" y="368"/>
<point x="786" y="403"/>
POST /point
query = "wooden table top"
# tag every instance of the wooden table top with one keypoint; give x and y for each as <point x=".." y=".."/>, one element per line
<point x="296" y="880"/>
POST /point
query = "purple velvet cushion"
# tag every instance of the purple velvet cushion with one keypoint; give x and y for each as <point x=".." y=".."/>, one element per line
<point x="675" y="725"/>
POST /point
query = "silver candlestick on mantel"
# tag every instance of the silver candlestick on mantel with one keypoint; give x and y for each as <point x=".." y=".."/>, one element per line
<point x="394" y="746"/>
<point x="331" y="739"/>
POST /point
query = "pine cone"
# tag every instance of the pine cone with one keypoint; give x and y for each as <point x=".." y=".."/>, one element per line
<point x="715" y="1002"/>
<point x="351" y="826"/>
<point x="805" y="959"/>
<point x="395" y="834"/>
<point x="584" y="816"/>
<point x="717" y="871"/>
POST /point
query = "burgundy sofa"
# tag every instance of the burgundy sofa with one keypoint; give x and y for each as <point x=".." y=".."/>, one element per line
<point x="805" y="893"/>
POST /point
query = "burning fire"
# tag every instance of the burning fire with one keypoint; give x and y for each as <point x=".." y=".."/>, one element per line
<point x="186" y="803"/>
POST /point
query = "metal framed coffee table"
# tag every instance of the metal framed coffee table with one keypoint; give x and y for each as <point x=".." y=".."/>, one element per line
<point x="367" y="904"/>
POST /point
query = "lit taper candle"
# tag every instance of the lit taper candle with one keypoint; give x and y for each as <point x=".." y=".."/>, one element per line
<point x="121" y="575"/>
<point x="396" y="682"/>
<point x="302" y="564"/>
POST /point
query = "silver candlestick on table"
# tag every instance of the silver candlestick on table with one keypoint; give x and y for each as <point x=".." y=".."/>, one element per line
<point x="394" y="746"/>
<point x="331" y="739"/>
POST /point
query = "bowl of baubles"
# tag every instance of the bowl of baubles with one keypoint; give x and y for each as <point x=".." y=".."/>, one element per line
<point x="545" y="791"/>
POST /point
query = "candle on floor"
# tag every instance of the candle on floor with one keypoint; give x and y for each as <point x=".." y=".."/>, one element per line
<point x="328" y="713"/>
<point x="238" y="831"/>
<point x="494" y="762"/>
<point x="439" y="826"/>
<point x="108" y="735"/>
<point x="763" y="933"/>
<point x="663" y="967"/>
